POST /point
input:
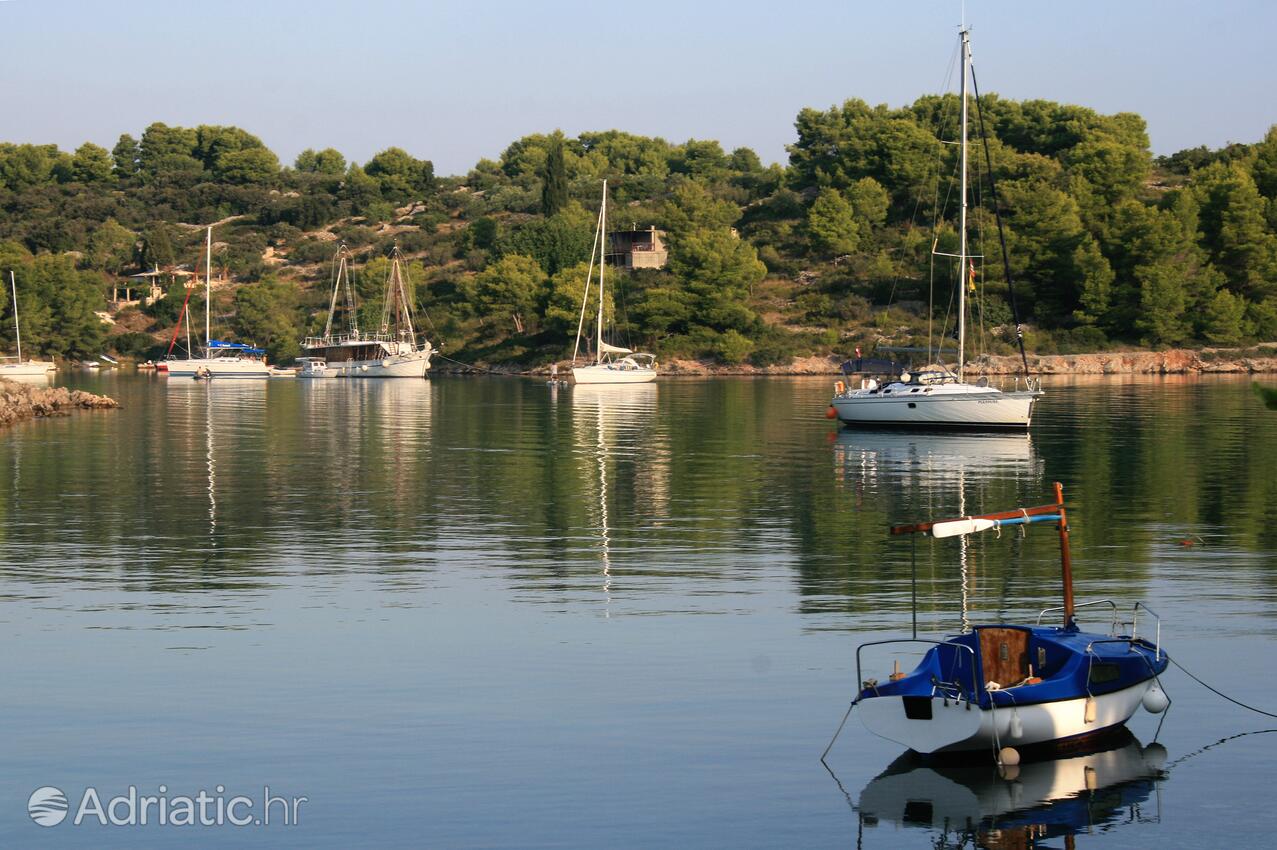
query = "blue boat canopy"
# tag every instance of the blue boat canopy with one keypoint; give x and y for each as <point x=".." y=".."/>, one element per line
<point x="222" y="345"/>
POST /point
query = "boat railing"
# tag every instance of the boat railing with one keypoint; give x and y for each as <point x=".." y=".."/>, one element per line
<point x="975" y="689"/>
<point x="342" y="339"/>
<point x="1135" y="621"/>
<point x="1108" y="602"/>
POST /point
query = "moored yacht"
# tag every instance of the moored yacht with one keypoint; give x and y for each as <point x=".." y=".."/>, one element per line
<point x="221" y="359"/>
<point x="939" y="398"/>
<point x="393" y="352"/>
<point x="16" y="367"/>
<point x="612" y="364"/>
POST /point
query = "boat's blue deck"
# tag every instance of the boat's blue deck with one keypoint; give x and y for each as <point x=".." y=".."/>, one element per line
<point x="1070" y="663"/>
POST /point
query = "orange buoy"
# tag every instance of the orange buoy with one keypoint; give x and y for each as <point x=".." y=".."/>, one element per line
<point x="831" y="413"/>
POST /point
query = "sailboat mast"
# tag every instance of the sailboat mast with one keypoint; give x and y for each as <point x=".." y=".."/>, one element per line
<point x="598" y="349"/>
<point x="208" y="289"/>
<point x="17" y="327"/>
<point x="962" y="212"/>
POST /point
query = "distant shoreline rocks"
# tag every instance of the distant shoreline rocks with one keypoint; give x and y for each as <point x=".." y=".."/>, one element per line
<point x="19" y="401"/>
<point x="1262" y="359"/>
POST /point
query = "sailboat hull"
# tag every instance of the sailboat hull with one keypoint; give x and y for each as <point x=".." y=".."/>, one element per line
<point x="26" y="369"/>
<point x="956" y="727"/>
<point x="612" y="373"/>
<point x="218" y="367"/>
<point x="949" y="406"/>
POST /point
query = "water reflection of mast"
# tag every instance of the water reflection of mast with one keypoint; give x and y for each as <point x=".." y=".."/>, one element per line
<point x="601" y="454"/>
<point x="212" y="491"/>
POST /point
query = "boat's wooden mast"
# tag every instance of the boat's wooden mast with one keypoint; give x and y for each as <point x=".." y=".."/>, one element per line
<point x="1066" y="561"/>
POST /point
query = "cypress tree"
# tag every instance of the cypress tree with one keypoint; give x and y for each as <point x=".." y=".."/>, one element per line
<point x="554" y="180"/>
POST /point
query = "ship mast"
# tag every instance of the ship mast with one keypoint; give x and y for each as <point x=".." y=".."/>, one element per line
<point x="598" y="349"/>
<point x="962" y="212"/>
<point x="17" y="327"/>
<point x="208" y="289"/>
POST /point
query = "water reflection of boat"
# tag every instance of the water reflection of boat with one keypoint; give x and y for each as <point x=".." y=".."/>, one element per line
<point x="941" y="455"/>
<point x="1016" y="806"/>
<point x="609" y="421"/>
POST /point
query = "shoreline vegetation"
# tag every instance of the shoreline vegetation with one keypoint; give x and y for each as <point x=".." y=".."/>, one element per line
<point x="21" y="401"/>
<point x="762" y="268"/>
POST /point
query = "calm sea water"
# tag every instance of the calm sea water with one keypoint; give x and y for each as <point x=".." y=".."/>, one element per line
<point x="488" y="613"/>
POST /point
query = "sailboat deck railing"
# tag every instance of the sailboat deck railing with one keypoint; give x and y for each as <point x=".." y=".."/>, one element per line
<point x="342" y="339"/>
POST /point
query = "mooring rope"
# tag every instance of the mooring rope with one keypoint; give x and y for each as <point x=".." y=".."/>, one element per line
<point x="1218" y="692"/>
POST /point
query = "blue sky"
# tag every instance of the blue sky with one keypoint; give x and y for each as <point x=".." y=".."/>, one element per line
<point x="454" y="81"/>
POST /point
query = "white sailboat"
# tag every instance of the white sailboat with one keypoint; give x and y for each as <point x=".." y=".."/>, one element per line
<point x="221" y="359"/>
<point x="612" y="363"/>
<point x="939" y="398"/>
<point x="393" y="352"/>
<point x="16" y="367"/>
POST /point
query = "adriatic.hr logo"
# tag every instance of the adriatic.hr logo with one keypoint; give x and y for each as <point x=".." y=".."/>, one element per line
<point x="49" y="806"/>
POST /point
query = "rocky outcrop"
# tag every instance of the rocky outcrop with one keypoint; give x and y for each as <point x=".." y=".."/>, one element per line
<point x="1172" y="362"/>
<point x="1178" y="361"/>
<point x="25" y="401"/>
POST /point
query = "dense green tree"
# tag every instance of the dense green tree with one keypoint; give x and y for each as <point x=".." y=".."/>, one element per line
<point x="250" y="166"/>
<point x="266" y="314"/>
<point x="555" y="243"/>
<point x="91" y="164"/>
<point x="564" y="294"/>
<point x="554" y="180"/>
<point x="870" y="201"/>
<point x="125" y="157"/>
<point x="1235" y="229"/>
<point x="168" y="149"/>
<point x="719" y="270"/>
<point x="23" y="167"/>
<point x="843" y="144"/>
<point x="327" y="162"/>
<point x="112" y="248"/>
<point x="1265" y="168"/>
<point x="692" y="207"/>
<point x="512" y="288"/>
<point x="1162" y="319"/>
<point x="1224" y="319"/>
<point x="831" y="224"/>
<point x="399" y="175"/>
<point x="72" y="297"/>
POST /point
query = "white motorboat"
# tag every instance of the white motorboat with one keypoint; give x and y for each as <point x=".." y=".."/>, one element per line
<point x="221" y="359"/>
<point x="612" y="364"/>
<point x="16" y="367"/>
<point x="938" y="398"/>
<point x="392" y="352"/>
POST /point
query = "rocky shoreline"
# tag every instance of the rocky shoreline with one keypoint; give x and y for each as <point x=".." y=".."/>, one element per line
<point x="1258" y="360"/>
<point x="20" y="401"/>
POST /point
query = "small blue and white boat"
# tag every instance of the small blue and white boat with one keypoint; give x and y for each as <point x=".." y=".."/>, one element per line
<point x="1011" y="686"/>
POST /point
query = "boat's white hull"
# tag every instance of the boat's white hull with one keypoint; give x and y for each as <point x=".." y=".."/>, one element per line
<point x="412" y="364"/>
<point x="27" y="368"/>
<point x="218" y="367"/>
<point x="987" y="408"/>
<point x="955" y="727"/>
<point x="607" y="374"/>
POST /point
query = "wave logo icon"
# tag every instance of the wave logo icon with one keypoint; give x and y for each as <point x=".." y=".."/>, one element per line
<point x="47" y="806"/>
